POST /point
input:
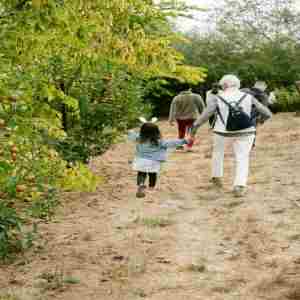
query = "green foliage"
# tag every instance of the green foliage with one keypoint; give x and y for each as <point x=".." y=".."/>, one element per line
<point x="275" y="63"/>
<point x="80" y="178"/>
<point x="73" y="77"/>
<point x="254" y="48"/>
<point x="288" y="100"/>
<point x="12" y="237"/>
<point x="161" y="91"/>
<point x="9" y="296"/>
<point x="154" y="222"/>
<point x="71" y="280"/>
<point x="109" y="107"/>
<point x="43" y="205"/>
<point x="56" y="280"/>
<point x="27" y="165"/>
<point x="9" y="222"/>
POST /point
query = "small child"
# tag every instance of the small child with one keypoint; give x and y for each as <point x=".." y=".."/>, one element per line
<point x="151" y="151"/>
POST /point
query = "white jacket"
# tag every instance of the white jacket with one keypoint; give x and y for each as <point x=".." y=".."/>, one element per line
<point x="231" y="95"/>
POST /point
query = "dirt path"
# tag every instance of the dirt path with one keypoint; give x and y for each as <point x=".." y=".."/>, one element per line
<point x="185" y="241"/>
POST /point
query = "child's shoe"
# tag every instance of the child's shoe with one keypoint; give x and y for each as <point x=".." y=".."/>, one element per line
<point x="217" y="182"/>
<point x="239" y="191"/>
<point x="141" y="192"/>
<point x="180" y="148"/>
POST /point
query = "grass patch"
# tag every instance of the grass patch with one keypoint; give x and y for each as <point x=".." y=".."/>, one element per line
<point x="71" y="280"/>
<point x="9" y="297"/>
<point x="154" y="222"/>
<point x="200" y="268"/>
<point x="56" y="280"/>
<point x="21" y="294"/>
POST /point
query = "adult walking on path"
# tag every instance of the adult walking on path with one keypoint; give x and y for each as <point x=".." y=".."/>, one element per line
<point x="185" y="109"/>
<point x="259" y="92"/>
<point x="242" y="139"/>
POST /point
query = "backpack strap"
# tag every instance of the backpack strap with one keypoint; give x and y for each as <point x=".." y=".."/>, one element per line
<point x="229" y="105"/>
<point x="224" y="101"/>
<point x="242" y="98"/>
<point x="220" y="115"/>
<point x="255" y="114"/>
<point x="218" y="110"/>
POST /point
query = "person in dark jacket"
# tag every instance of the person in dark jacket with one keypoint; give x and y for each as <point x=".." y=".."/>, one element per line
<point x="258" y="91"/>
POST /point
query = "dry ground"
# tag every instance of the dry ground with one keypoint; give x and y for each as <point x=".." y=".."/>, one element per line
<point x="184" y="241"/>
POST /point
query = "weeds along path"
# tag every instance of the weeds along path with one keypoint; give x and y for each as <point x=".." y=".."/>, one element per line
<point x="185" y="241"/>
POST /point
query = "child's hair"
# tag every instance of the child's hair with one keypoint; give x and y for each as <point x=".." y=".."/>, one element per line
<point x="215" y="88"/>
<point x="150" y="133"/>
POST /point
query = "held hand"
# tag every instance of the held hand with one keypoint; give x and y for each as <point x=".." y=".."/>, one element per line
<point x="192" y="135"/>
<point x="190" y="141"/>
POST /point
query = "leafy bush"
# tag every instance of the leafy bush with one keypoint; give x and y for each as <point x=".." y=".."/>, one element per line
<point x="72" y="79"/>
<point x="12" y="237"/>
<point x="288" y="100"/>
<point x="9" y="224"/>
<point x="161" y="91"/>
<point x="80" y="178"/>
<point x="29" y="168"/>
<point x="103" y="115"/>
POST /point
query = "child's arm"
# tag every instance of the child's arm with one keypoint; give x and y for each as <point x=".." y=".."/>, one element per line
<point x="133" y="136"/>
<point x="174" y="143"/>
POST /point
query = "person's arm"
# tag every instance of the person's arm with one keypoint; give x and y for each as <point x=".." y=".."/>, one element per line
<point x="206" y="114"/>
<point x="265" y="99"/>
<point x="209" y="96"/>
<point x="133" y="136"/>
<point x="262" y="109"/>
<point x="172" y="111"/>
<point x="199" y="103"/>
<point x="174" y="143"/>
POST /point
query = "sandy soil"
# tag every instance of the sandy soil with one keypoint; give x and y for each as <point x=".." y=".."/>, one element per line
<point x="186" y="240"/>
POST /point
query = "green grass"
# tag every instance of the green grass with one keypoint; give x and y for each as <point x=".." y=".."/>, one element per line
<point x="71" y="280"/>
<point x="155" y="222"/>
<point x="9" y="297"/>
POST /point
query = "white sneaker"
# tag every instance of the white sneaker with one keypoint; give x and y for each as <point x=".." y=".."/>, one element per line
<point x="239" y="191"/>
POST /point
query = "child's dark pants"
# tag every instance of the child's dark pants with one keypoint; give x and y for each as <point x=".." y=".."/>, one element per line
<point x="141" y="178"/>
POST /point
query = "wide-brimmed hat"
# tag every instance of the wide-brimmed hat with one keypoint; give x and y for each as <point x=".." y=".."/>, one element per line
<point x="260" y="85"/>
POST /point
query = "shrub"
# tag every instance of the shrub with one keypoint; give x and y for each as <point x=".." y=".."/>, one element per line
<point x="79" y="178"/>
<point x="288" y="100"/>
<point x="12" y="237"/>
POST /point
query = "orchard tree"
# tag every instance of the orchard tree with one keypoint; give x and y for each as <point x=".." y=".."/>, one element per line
<point x="255" y="21"/>
<point x="73" y="74"/>
<point x="257" y="40"/>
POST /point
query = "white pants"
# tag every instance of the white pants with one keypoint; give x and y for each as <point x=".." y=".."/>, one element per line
<point x="242" y="146"/>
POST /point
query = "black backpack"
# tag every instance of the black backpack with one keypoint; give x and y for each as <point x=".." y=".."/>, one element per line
<point x="237" y="118"/>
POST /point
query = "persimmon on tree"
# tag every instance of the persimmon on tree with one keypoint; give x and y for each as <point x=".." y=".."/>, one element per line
<point x="72" y="75"/>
